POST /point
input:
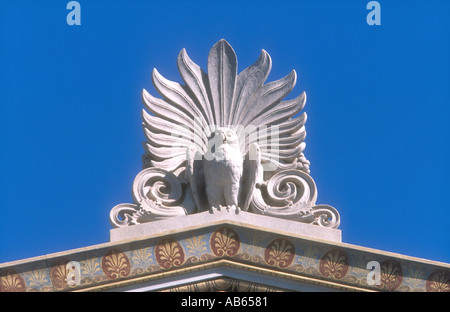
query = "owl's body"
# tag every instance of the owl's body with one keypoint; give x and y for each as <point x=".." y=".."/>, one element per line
<point x="223" y="170"/>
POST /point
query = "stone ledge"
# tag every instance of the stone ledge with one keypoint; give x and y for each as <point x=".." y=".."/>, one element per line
<point x="228" y="249"/>
<point x="204" y="219"/>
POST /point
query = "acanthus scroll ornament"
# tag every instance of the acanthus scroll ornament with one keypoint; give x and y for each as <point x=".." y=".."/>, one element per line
<point x="224" y="140"/>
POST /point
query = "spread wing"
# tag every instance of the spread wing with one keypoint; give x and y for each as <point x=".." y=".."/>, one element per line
<point x="194" y="172"/>
<point x="259" y="115"/>
<point x="272" y="123"/>
<point x="253" y="174"/>
<point x="182" y="118"/>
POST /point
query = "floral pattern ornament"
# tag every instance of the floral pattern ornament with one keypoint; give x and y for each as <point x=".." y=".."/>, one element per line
<point x="438" y="281"/>
<point x="11" y="281"/>
<point x="334" y="264"/>
<point x="391" y="275"/>
<point x="279" y="253"/>
<point x="169" y="254"/>
<point x="115" y="264"/>
<point x="225" y="242"/>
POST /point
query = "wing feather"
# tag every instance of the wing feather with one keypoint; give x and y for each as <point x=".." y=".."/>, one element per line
<point x="248" y="82"/>
<point x="267" y="99"/>
<point x="172" y="118"/>
<point x="197" y="82"/>
<point x="179" y="99"/>
<point x="222" y="71"/>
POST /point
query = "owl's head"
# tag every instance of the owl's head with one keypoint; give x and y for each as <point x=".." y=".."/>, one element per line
<point x="228" y="136"/>
<point x="223" y="136"/>
<point x="217" y="140"/>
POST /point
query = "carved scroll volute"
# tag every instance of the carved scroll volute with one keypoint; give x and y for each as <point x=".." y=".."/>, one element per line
<point x="326" y="216"/>
<point x="288" y="194"/>
<point x="157" y="194"/>
<point x="292" y="194"/>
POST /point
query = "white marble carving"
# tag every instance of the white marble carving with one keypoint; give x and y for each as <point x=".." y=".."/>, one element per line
<point x="224" y="140"/>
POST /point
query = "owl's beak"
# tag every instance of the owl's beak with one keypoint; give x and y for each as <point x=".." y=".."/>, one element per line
<point x="224" y="137"/>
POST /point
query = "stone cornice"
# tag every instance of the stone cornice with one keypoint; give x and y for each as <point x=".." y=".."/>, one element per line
<point x="279" y="260"/>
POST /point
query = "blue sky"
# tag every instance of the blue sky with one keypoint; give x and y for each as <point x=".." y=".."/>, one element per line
<point x="378" y="110"/>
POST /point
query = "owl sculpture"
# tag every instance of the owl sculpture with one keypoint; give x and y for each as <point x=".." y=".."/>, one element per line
<point x="223" y="172"/>
<point x="219" y="173"/>
<point x="224" y="140"/>
<point x="210" y="127"/>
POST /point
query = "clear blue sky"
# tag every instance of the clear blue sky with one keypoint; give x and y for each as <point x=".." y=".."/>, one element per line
<point x="378" y="110"/>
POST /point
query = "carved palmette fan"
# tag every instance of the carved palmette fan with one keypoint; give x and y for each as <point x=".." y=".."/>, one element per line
<point x="188" y="113"/>
<point x="270" y="134"/>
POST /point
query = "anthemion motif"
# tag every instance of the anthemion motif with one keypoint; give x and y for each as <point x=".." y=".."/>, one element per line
<point x="224" y="140"/>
